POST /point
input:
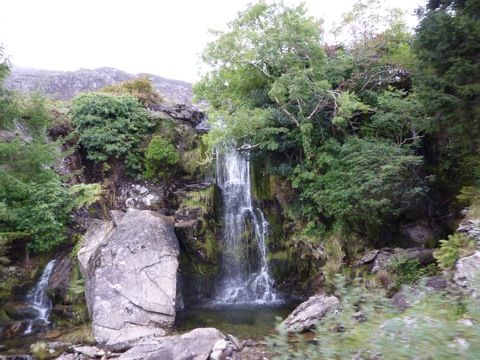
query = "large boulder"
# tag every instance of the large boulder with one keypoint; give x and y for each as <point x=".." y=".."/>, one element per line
<point x="131" y="278"/>
<point x="308" y="313"/>
<point x="196" y="344"/>
<point x="467" y="273"/>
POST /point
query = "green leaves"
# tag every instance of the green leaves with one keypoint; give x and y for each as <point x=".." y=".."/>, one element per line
<point x="362" y="183"/>
<point x="160" y="157"/>
<point x="109" y="125"/>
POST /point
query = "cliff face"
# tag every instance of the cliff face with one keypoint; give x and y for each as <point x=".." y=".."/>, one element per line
<point x="65" y="85"/>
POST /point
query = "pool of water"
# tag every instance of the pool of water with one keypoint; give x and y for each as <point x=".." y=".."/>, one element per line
<point x="252" y="321"/>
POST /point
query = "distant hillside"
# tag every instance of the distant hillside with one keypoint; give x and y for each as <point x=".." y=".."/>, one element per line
<point x="65" y="85"/>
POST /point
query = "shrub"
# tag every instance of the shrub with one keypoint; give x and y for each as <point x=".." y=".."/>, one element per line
<point x="160" y="157"/>
<point x="457" y="246"/>
<point x="110" y="125"/>
<point x="141" y="88"/>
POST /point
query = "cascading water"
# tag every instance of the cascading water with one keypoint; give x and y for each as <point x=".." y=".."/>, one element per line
<point x="38" y="299"/>
<point x="245" y="268"/>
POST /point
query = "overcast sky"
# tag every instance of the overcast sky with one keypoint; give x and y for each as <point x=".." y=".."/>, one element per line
<point x="161" y="37"/>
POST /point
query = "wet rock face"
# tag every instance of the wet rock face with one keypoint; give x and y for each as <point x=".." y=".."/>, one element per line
<point x="131" y="279"/>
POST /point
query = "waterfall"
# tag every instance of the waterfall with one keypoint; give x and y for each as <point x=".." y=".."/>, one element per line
<point x="246" y="276"/>
<point x="38" y="299"/>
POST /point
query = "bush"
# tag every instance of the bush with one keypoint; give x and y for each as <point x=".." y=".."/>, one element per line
<point x="110" y="126"/>
<point x="457" y="246"/>
<point x="141" y="88"/>
<point x="160" y="158"/>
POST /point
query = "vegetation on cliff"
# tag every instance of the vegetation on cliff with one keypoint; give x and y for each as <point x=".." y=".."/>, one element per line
<point x="363" y="130"/>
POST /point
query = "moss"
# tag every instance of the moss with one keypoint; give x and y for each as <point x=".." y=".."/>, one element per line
<point x="263" y="185"/>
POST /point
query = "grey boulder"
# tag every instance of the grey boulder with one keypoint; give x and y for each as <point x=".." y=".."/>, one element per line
<point x="131" y="279"/>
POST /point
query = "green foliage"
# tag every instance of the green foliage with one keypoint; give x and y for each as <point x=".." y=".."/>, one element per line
<point x="110" y="126"/>
<point x="367" y="326"/>
<point x="83" y="195"/>
<point x="141" y="88"/>
<point x="399" y="117"/>
<point x="379" y="181"/>
<point x="447" y="44"/>
<point x="316" y="114"/>
<point x="160" y="157"/>
<point x="457" y="246"/>
<point x="403" y="271"/>
<point x="43" y="215"/>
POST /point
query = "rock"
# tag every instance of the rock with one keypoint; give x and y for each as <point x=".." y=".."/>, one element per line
<point x="98" y="232"/>
<point x="308" y="313"/>
<point x="59" y="281"/>
<point x="467" y="271"/>
<point x="65" y="85"/>
<point x="410" y="295"/>
<point x="196" y="344"/>
<point x="182" y="112"/>
<point x="131" y="280"/>
<point x="141" y="197"/>
<point x="90" y="351"/>
<point x="220" y="345"/>
<point x="421" y="232"/>
<point x="216" y="355"/>
<point x="235" y="342"/>
<point x="376" y="258"/>
<point x="470" y="227"/>
<point x="13" y="329"/>
<point x="248" y="343"/>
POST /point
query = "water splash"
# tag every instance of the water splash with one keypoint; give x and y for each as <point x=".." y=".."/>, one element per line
<point x="38" y="299"/>
<point x="246" y="273"/>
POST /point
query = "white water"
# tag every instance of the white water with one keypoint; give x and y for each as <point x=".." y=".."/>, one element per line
<point x="38" y="298"/>
<point x="246" y="275"/>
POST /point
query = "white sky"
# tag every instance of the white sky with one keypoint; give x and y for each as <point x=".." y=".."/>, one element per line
<point x="161" y="37"/>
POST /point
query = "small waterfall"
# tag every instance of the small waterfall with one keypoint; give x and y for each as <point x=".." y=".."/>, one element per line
<point x="245" y="268"/>
<point x="38" y="299"/>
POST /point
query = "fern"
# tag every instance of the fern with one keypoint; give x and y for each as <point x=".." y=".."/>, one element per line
<point x="83" y="195"/>
<point x="457" y="246"/>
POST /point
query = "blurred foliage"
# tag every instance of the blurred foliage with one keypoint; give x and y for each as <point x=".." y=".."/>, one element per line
<point x="368" y="326"/>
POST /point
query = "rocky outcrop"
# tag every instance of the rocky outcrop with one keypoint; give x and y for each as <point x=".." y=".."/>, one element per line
<point x="65" y="85"/>
<point x="196" y="344"/>
<point x="59" y="281"/>
<point x="375" y="259"/>
<point x="131" y="278"/>
<point x="310" y="312"/>
<point x="421" y="233"/>
<point x="467" y="273"/>
<point x="410" y="295"/>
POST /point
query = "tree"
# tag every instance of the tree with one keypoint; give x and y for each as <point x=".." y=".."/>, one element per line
<point x="447" y="81"/>
<point x="267" y="75"/>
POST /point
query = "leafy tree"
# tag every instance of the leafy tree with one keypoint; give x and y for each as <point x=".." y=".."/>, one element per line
<point x="268" y="68"/>
<point x="447" y="44"/>
<point x="322" y="116"/>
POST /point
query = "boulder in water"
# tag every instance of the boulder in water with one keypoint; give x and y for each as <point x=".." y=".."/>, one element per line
<point x="131" y="279"/>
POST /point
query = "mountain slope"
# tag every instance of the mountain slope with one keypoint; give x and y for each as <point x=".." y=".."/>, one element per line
<point x="65" y="85"/>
